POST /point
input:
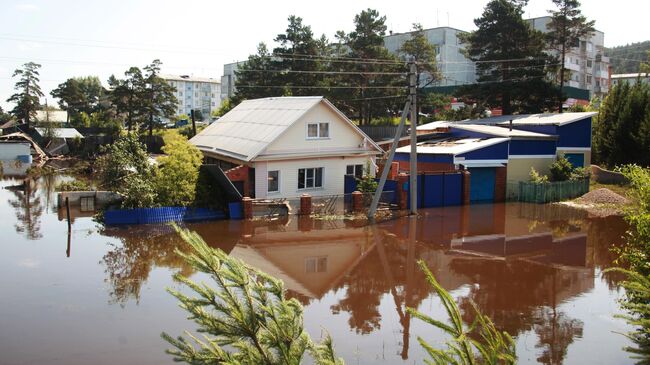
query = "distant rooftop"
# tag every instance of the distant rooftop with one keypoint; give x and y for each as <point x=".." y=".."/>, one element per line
<point x="453" y="146"/>
<point x="61" y="132"/>
<point x="532" y="119"/>
<point x="189" y="78"/>
<point x="630" y="76"/>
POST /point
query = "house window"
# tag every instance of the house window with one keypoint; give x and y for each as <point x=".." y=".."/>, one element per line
<point x="354" y="170"/>
<point x="274" y="181"/>
<point x="318" y="130"/>
<point x="310" y="178"/>
<point x="316" y="264"/>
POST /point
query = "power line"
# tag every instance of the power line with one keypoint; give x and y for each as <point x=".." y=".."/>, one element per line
<point x="316" y="87"/>
<point x="328" y="72"/>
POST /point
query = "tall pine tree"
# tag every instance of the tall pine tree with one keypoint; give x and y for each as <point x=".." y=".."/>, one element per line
<point x="511" y="62"/>
<point x="28" y="93"/>
<point x="566" y="28"/>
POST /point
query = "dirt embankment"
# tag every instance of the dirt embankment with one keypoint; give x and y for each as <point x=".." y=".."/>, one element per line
<point x="600" y="202"/>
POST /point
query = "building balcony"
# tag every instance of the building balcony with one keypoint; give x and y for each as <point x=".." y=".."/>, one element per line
<point x="571" y="66"/>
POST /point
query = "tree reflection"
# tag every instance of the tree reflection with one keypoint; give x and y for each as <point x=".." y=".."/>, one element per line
<point x="555" y="332"/>
<point x="128" y="264"/>
<point x="28" y="208"/>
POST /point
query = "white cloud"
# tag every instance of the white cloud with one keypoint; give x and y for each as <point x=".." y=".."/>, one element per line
<point x="27" y="7"/>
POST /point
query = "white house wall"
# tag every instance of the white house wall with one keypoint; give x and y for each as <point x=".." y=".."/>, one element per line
<point x="334" y="169"/>
<point x="342" y="137"/>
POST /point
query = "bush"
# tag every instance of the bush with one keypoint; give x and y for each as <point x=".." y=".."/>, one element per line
<point x="367" y="183"/>
<point x="561" y="169"/>
<point x="178" y="171"/>
<point x="124" y="168"/>
<point x="74" y="185"/>
<point x="536" y="177"/>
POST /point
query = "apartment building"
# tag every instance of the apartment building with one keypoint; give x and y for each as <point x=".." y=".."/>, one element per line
<point x="631" y="79"/>
<point x="198" y="93"/>
<point x="455" y="69"/>
<point x="588" y="66"/>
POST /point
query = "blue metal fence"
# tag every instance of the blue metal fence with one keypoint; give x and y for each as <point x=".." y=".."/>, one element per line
<point x="160" y="215"/>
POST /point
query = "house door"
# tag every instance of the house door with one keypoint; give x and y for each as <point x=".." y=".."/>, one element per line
<point x="481" y="185"/>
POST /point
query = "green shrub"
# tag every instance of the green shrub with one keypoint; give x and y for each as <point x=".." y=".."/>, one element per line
<point x="367" y="183"/>
<point x="74" y="185"/>
<point x="536" y="177"/>
<point x="561" y="169"/>
<point x="178" y="171"/>
<point x="580" y="173"/>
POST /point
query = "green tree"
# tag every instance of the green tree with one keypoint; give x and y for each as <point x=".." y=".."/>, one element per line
<point x="250" y="82"/>
<point x="372" y="70"/>
<point x="298" y="51"/>
<point x="159" y="99"/>
<point x="127" y="96"/>
<point x="124" y="167"/>
<point x="80" y="95"/>
<point x="622" y="131"/>
<point x="4" y="117"/>
<point x="644" y="67"/>
<point x="224" y="108"/>
<point x="423" y="52"/>
<point x="566" y="28"/>
<point x="512" y="65"/>
<point x="178" y="171"/>
<point x="247" y="320"/>
<point x="28" y="93"/>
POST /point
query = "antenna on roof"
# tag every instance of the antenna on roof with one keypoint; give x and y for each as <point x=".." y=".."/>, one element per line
<point x="510" y="125"/>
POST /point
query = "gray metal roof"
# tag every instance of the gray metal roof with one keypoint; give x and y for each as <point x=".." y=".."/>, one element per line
<point x="502" y="131"/>
<point x="61" y="132"/>
<point x="251" y="126"/>
<point x="531" y="119"/>
<point x="450" y="146"/>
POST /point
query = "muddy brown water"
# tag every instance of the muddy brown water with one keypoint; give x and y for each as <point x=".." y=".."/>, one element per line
<point x="101" y="299"/>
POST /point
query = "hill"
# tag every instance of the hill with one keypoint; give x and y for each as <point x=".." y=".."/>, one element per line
<point x="626" y="59"/>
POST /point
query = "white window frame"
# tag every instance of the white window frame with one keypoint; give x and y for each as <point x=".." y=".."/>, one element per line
<point x="316" y="264"/>
<point x="268" y="187"/>
<point x="304" y="183"/>
<point x="318" y="130"/>
<point x="354" y="170"/>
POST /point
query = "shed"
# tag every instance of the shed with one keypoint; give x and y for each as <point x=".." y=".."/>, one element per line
<point x="59" y="138"/>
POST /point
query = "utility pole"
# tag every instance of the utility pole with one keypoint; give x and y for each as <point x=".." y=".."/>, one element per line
<point x="193" y="122"/>
<point x="391" y="154"/>
<point x="413" y="183"/>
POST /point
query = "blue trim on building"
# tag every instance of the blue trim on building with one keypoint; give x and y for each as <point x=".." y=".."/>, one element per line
<point x="545" y="129"/>
<point x="425" y="157"/>
<point x="532" y="147"/>
<point x="497" y="151"/>
<point x="577" y="134"/>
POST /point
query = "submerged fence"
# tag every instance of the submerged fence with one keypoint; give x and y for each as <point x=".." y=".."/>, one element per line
<point x="160" y="215"/>
<point x="531" y="192"/>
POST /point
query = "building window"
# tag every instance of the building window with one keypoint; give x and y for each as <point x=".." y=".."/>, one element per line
<point x="589" y="64"/>
<point x="354" y="170"/>
<point x="273" y="181"/>
<point x="589" y="79"/>
<point x="318" y="130"/>
<point x="180" y="93"/>
<point x="196" y="94"/>
<point x="316" y="264"/>
<point x="310" y="178"/>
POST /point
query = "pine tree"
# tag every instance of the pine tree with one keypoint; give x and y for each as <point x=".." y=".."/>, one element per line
<point x="247" y="320"/>
<point x="159" y="99"/>
<point x="80" y="95"/>
<point x="127" y="96"/>
<point x="512" y="65"/>
<point x="566" y="28"/>
<point x="255" y="78"/>
<point x="28" y="93"/>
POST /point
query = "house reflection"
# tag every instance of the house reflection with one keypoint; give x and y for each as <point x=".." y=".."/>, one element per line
<point x="518" y="263"/>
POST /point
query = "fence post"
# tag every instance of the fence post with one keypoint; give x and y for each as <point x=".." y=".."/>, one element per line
<point x="402" y="179"/>
<point x="357" y="201"/>
<point x="305" y="204"/>
<point x="466" y="187"/>
<point x="248" y="207"/>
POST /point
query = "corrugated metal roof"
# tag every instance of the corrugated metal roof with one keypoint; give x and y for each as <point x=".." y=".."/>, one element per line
<point x="251" y="126"/>
<point x="504" y="131"/>
<point x="453" y="146"/>
<point x="433" y="125"/>
<point x="532" y="119"/>
<point x="61" y="132"/>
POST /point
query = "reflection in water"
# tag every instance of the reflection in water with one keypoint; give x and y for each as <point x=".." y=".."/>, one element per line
<point x="518" y="262"/>
<point x="29" y="208"/>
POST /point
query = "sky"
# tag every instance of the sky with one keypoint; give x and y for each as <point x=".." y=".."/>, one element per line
<point x="72" y="38"/>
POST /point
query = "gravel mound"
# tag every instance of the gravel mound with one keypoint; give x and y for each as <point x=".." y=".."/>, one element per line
<point x="602" y="196"/>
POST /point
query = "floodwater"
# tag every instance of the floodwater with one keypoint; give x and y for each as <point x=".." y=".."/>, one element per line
<point x="98" y="296"/>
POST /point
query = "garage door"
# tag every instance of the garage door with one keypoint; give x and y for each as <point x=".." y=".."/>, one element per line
<point x="576" y="159"/>
<point x="481" y="186"/>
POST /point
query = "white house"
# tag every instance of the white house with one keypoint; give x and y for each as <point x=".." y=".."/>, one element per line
<point x="288" y="146"/>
